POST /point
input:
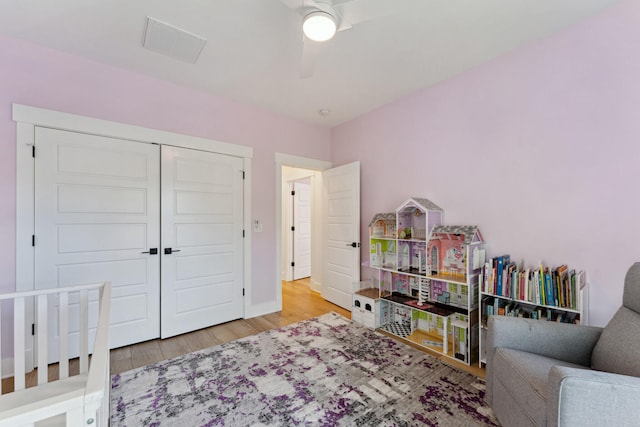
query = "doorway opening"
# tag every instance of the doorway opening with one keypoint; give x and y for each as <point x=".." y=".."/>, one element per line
<point x="335" y="226"/>
<point x="288" y="170"/>
<point x="299" y="222"/>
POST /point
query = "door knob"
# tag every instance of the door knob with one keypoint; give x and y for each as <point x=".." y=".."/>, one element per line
<point x="353" y="244"/>
<point x="151" y="251"/>
<point x="169" y="251"/>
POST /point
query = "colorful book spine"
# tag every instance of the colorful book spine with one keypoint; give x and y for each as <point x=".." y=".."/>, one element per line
<point x="548" y="286"/>
<point x="499" y="268"/>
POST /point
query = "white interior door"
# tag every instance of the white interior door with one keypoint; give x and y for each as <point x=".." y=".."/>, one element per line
<point x="302" y="229"/>
<point x="202" y="240"/>
<point x="97" y="207"/>
<point x="341" y="232"/>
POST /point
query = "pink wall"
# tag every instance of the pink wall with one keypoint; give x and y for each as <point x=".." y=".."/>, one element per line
<point x="46" y="78"/>
<point x="540" y="148"/>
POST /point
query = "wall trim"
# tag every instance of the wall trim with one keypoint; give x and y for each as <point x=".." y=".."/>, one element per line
<point x="260" y="309"/>
<point x="72" y="122"/>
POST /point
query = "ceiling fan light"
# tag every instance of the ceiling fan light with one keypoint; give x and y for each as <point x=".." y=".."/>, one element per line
<point x="319" y="26"/>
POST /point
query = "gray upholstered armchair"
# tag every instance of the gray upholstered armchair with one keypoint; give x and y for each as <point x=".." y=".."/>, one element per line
<point x="553" y="374"/>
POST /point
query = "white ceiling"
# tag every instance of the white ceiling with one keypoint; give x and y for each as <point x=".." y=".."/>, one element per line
<point x="253" y="47"/>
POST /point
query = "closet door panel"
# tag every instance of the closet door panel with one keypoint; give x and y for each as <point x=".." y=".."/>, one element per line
<point x="97" y="211"/>
<point x="202" y="240"/>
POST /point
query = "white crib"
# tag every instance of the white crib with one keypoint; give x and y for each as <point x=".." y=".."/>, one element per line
<point x="79" y="400"/>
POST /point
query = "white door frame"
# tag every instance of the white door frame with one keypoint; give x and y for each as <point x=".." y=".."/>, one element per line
<point x="296" y="162"/>
<point x="28" y="118"/>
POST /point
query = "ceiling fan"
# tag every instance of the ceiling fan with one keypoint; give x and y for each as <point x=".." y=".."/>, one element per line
<point x="338" y="15"/>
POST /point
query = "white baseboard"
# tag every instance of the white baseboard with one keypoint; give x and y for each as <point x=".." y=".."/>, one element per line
<point x="316" y="287"/>
<point x="260" y="309"/>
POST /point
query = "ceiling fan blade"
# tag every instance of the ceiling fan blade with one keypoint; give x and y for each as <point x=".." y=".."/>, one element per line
<point x="341" y="2"/>
<point x="310" y="50"/>
<point x="353" y="12"/>
<point x="303" y="7"/>
<point x="292" y="4"/>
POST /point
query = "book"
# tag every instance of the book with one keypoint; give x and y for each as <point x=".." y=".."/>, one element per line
<point x="499" y="268"/>
<point x="548" y="286"/>
<point x="572" y="289"/>
<point x="561" y="285"/>
<point x="489" y="310"/>
<point x="554" y="286"/>
<point x="502" y="262"/>
<point x="543" y="297"/>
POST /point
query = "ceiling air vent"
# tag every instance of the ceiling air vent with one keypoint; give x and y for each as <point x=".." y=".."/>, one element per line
<point x="172" y="41"/>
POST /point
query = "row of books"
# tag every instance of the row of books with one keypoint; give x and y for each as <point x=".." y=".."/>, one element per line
<point x="559" y="287"/>
<point x="497" y="307"/>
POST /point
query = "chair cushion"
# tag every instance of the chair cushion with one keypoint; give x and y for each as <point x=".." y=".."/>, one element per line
<point x="524" y="377"/>
<point x="618" y="349"/>
<point x="631" y="295"/>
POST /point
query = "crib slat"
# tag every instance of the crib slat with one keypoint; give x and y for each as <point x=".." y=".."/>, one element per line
<point x="42" y="337"/>
<point x="63" y="334"/>
<point x="18" y="344"/>
<point x="84" y="331"/>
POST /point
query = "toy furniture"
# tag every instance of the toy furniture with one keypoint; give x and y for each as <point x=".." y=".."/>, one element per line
<point x="428" y="277"/>
<point x="556" y="374"/>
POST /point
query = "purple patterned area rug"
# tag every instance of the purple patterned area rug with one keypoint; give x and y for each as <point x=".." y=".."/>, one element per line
<point x="324" y="371"/>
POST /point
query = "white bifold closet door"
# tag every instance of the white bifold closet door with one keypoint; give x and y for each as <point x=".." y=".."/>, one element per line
<point x="202" y="240"/>
<point x="97" y="204"/>
<point x="170" y="242"/>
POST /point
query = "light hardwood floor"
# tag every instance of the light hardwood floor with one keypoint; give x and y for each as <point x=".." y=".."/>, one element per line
<point x="299" y="302"/>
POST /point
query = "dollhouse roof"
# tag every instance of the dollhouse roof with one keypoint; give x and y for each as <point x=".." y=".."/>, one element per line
<point x="424" y="204"/>
<point x="471" y="232"/>
<point x="387" y="217"/>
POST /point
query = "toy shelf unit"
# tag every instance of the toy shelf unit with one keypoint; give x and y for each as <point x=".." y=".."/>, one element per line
<point x="548" y="294"/>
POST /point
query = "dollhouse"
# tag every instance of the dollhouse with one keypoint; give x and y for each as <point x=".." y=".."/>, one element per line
<point x="427" y="276"/>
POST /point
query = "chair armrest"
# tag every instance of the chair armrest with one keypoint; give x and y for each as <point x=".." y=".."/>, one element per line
<point x="583" y="398"/>
<point x="562" y="341"/>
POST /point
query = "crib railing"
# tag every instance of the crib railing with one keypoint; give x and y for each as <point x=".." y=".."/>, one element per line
<point x="78" y="400"/>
